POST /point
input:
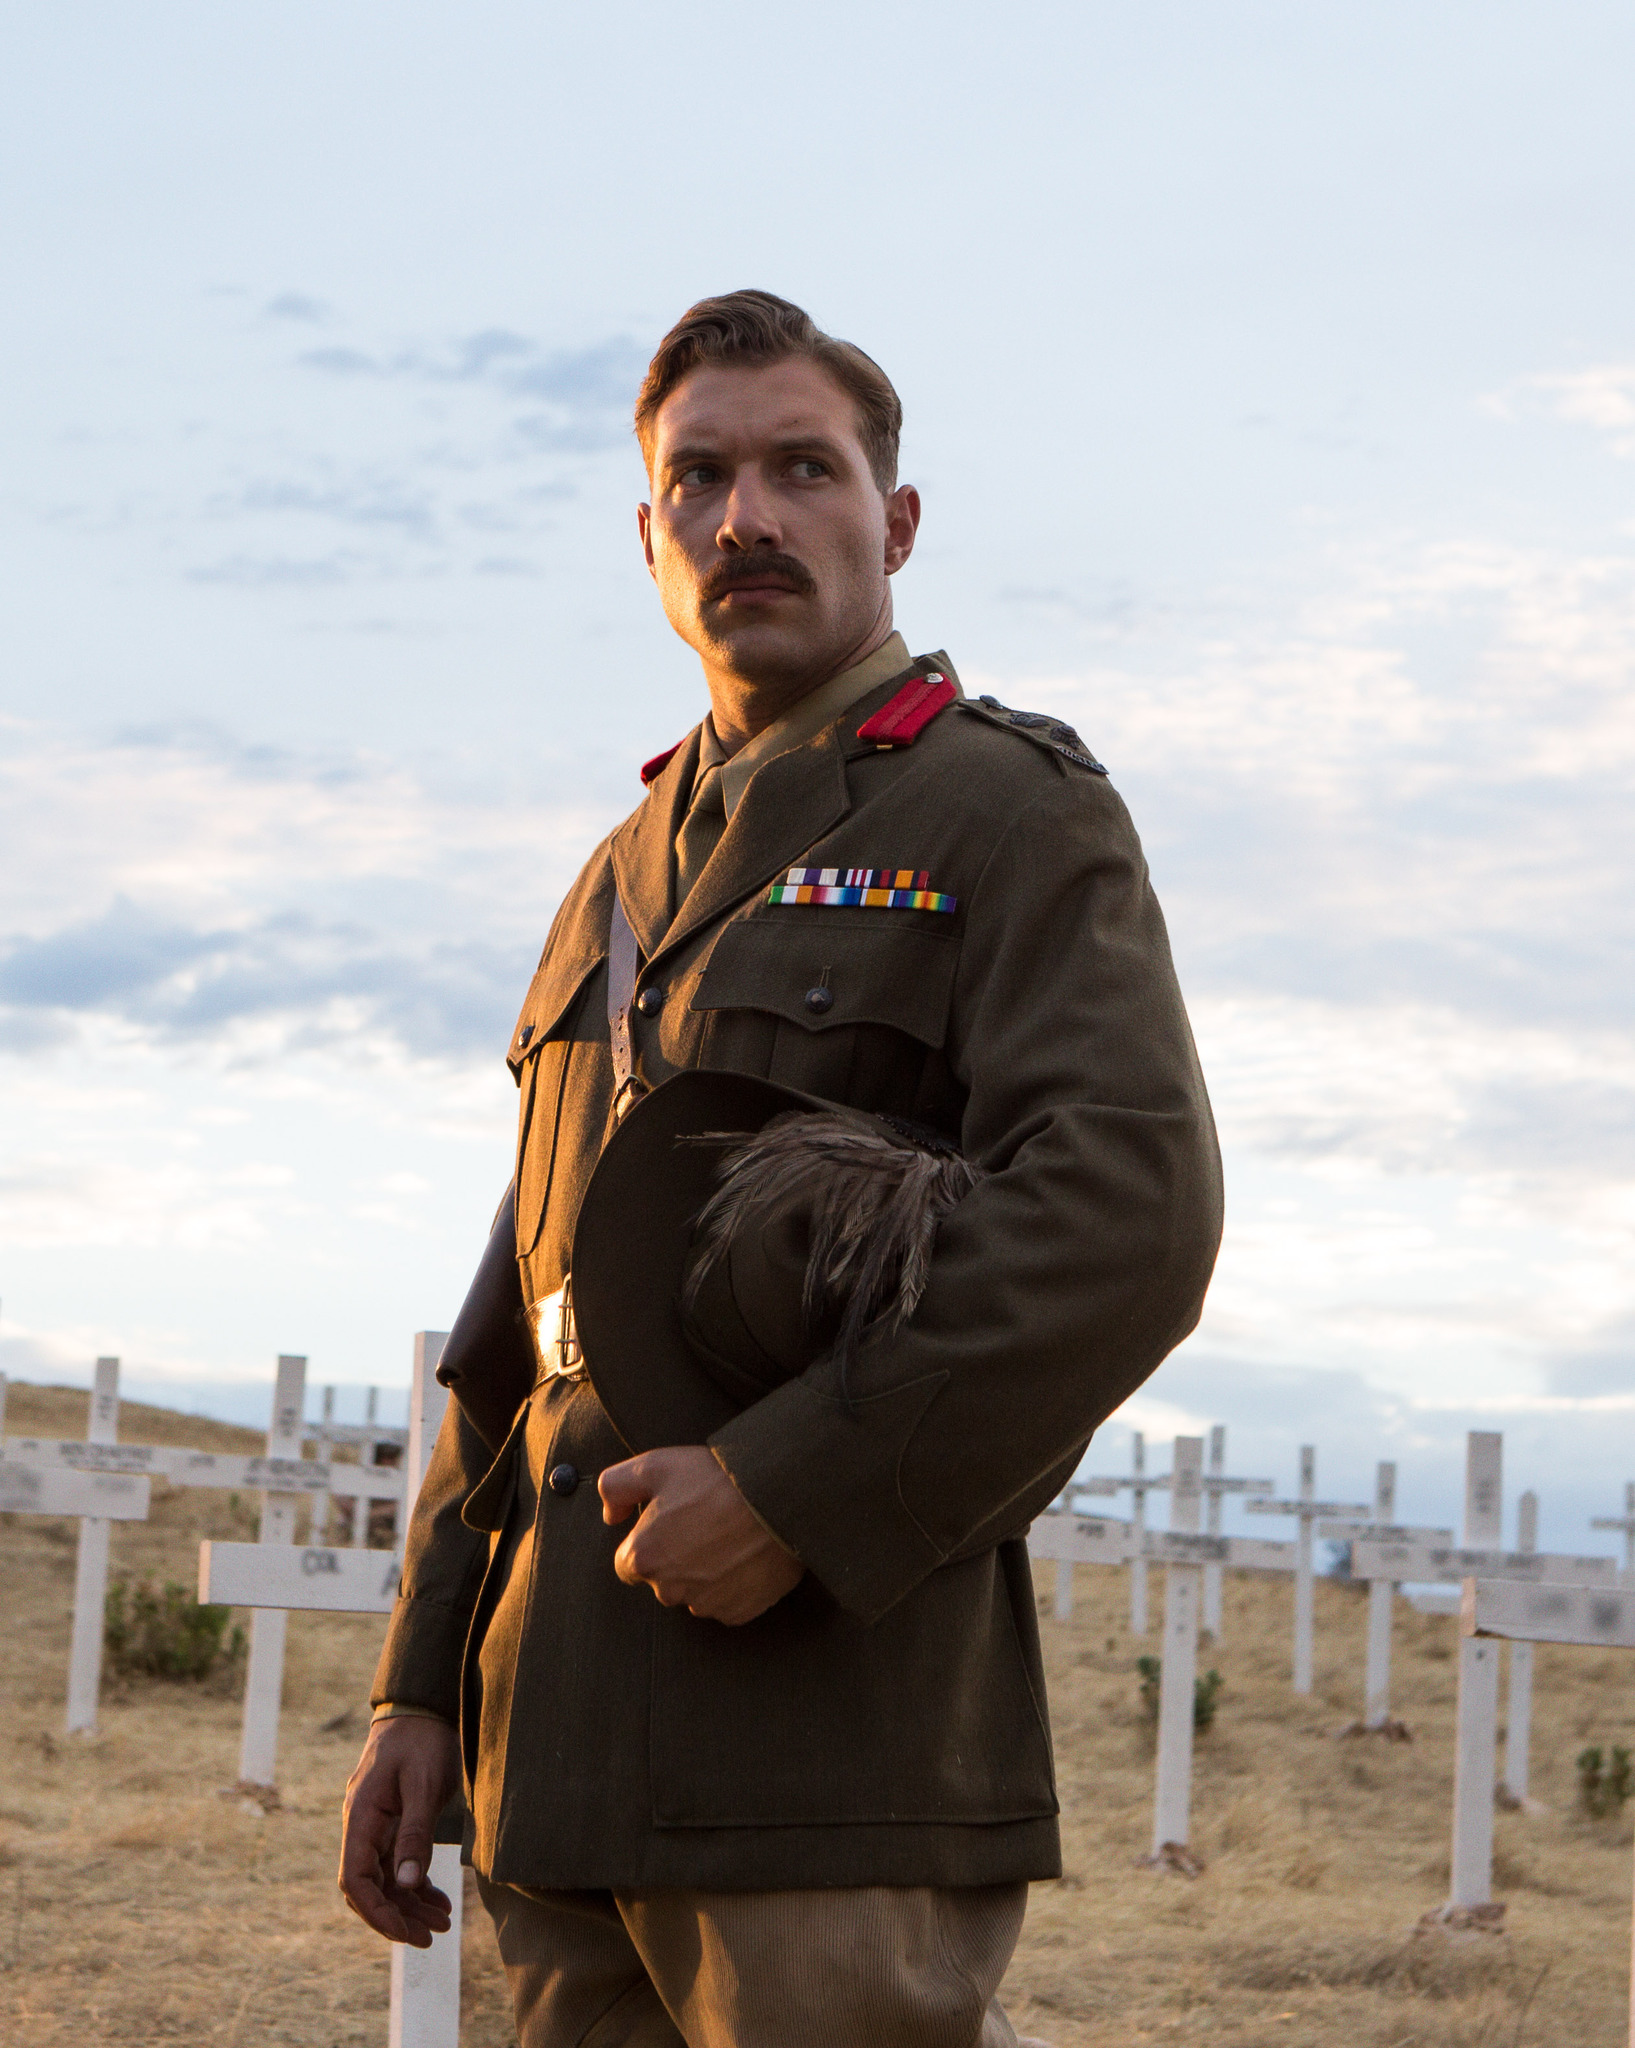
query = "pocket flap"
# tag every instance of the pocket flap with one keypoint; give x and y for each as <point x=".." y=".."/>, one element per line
<point x="823" y="968"/>
<point x="549" y="1002"/>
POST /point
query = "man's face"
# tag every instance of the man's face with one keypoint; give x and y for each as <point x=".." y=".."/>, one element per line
<point x="768" y="538"/>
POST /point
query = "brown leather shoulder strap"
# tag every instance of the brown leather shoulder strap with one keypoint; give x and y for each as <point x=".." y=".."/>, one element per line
<point x="621" y="989"/>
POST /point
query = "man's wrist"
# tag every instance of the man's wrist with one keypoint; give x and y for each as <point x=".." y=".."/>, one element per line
<point x="396" y="1710"/>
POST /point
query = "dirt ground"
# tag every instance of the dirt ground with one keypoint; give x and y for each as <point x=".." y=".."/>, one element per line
<point x="143" y="1900"/>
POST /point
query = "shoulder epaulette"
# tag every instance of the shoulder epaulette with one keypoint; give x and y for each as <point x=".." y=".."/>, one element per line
<point x="1044" y="731"/>
<point x="900" y="721"/>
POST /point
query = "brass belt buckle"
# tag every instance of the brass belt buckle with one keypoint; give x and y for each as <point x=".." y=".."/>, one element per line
<point x="570" y="1360"/>
<point x="556" y="1337"/>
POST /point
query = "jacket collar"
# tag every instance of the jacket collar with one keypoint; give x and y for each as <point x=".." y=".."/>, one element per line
<point x="790" y="802"/>
<point x="642" y="849"/>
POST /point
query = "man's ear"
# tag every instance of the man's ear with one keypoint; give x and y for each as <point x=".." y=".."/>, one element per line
<point x="902" y="524"/>
<point x="644" y="523"/>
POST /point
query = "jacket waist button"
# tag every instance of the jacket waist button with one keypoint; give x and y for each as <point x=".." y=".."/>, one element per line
<point x="819" y="999"/>
<point x="563" y="1479"/>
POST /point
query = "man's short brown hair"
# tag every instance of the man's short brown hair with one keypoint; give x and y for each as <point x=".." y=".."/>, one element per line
<point x="755" y="327"/>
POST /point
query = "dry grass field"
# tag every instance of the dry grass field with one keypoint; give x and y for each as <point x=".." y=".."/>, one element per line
<point x="143" y="1900"/>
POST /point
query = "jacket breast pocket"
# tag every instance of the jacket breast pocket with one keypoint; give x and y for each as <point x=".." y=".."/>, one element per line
<point x="852" y="1005"/>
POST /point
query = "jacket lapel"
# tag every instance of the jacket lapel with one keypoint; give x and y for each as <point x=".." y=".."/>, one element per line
<point x="641" y="848"/>
<point x="792" y="801"/>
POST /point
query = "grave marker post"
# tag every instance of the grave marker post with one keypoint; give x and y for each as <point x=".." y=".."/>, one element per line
<point x="1518" y="1733"/>
<point x="1599" y="1617"/>
<point x="1213" y="1573"/>
<point x="425" y="2011"/>
<point x="1476" y="1753"/>
<point x="1309" y="1510"/>
<point x="91" y="1567"/>
<point x="1625" y="1522"/>
<point x="318" y="1513"/>
<point x="1183" y="1588"/>
<point x="1381" y="1601"/>
<point x="264" y="1675"/>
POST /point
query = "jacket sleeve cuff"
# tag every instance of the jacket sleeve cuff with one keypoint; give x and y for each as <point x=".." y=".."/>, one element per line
<point x="823" y="1479"/>
<point x="420" y="1663"/>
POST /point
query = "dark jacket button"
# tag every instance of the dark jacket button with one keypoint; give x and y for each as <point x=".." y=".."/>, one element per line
<point x="650" y="1001"/>
<point x="563" y="1479"/>
<point x="819" y="999"/>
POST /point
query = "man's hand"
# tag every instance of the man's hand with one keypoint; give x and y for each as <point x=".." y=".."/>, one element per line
<point x="698" y="1543"/>
<point x="409" y="1770"/>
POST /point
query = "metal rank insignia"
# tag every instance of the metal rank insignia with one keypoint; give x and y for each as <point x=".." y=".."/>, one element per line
<point x="861" y="889"/>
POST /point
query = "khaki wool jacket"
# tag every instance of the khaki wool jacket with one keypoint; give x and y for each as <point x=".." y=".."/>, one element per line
<point x="886" y="1722"/>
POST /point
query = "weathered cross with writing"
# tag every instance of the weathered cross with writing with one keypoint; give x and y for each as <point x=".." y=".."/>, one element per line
<point x="1470" y="1894"/>
<point x="1310" y="1511"/>
<point x="98" y="1498"/>
<point x="273" y="1577"/>
<point x="1598" y="1617"/>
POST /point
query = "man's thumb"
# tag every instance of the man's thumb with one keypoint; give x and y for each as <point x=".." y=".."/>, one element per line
<point x="411" y="1852"/>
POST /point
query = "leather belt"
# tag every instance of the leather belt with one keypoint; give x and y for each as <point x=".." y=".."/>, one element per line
<point x="556" y="1339"/>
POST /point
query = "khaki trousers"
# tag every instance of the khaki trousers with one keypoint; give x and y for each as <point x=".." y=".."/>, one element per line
<point x="872" y="1967"/>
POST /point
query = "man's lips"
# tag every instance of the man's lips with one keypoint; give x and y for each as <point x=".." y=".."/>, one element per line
<point x="772" y="587"/>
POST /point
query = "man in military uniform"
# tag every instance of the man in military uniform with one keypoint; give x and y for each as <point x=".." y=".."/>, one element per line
<point x="772" y="1765"/>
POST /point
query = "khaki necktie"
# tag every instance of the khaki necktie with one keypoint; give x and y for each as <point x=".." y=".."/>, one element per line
<point x="701" y="829"/>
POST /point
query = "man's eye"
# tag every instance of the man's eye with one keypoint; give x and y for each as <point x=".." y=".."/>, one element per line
<point x="809" y="466"/>
<point x="700" y="473"/>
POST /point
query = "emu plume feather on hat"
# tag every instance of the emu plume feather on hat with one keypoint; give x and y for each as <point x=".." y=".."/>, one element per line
<point x="871" y="1192"/>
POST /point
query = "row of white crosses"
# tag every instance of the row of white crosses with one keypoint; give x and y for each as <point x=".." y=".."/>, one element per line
<point x="1190" y="1557"/>
<point x="1187" y="1553"/>
<point x="1216" y="1484"/>
<point x="102" y="1481"/>
<point x="275" y="1577"/>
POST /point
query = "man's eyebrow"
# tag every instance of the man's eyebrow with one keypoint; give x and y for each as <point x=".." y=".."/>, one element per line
<point x="689" y="452"/>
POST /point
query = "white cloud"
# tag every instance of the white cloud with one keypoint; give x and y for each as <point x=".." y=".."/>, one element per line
<point x="1600" y="396"/>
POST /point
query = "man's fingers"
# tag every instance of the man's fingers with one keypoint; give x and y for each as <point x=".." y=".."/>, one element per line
<point x="626" y="1487"/>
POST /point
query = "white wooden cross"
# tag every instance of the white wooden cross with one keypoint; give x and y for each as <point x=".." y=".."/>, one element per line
<point x="1184" y="1551"/>
<point x="1140" y="1486"/>
<point x="1476" y="1733"/>
<point x="1518" y="1727"/>
<point x="1381" y="1592"/>
<point x="91" y="1567"/>
<point x="274" y="1576"/>
<point x="1598" y="1618"/>
<point x="1625" y="1522"/>
<point x="1310" y="1510"/>
<point x="379" y="1447"/>
<point x="98" y="1498"/>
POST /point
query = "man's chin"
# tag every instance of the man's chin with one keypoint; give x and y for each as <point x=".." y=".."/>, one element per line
<point x="764" y="648"/>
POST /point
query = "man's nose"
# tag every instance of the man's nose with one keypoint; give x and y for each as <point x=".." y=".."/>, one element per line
<point x="750" y="517"/>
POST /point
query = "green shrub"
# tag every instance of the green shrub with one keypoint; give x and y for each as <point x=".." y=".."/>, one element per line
<point x="165" y="1633"/>
<point x="1604" y="1783"/>
<point x="1206" y="1692"/>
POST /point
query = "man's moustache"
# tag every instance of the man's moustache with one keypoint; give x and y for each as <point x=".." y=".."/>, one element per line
<point x="732" y="575"/>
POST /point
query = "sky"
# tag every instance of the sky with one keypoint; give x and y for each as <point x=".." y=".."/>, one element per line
<point x="1269" y="375"/>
